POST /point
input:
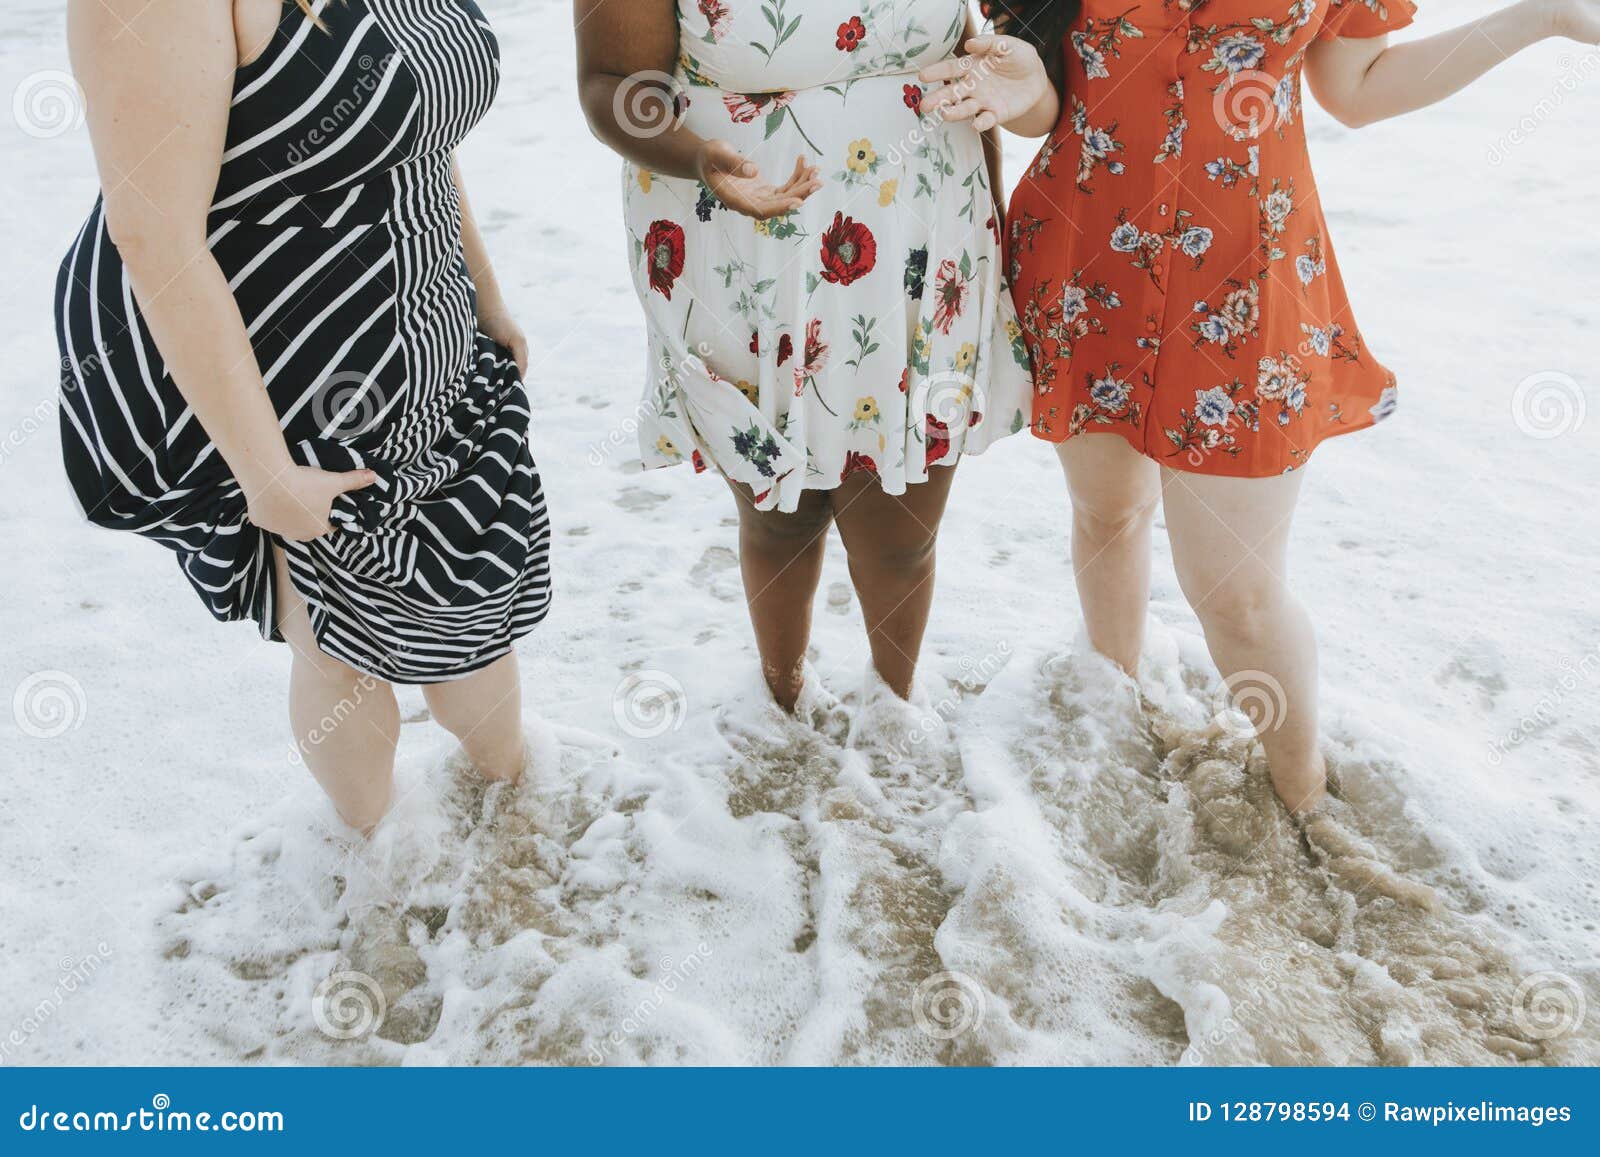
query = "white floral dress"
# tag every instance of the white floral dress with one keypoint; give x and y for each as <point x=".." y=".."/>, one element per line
<point x="870" y="329"/>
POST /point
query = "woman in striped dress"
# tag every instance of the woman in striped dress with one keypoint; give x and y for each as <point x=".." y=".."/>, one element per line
<point x="288" y="361"/>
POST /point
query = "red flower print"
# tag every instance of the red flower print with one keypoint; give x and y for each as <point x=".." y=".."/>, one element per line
<point x="816" y="356"/>
<point x="950" y="292"/>
<point x="755" y="344"/>
<point x="785" y="348"/>
<point x="938" y="440"/>
<point x="851" y="33"/>
<point x="699" y="462"/>
<point x="905" y="378"/>
<point x="974" y="418"/>
<point x="746" y="109"/>
<point x="914" y="98"/>
<point x="663" y="247"/>
<point x="848" y="251"/>
<point x="717" y="19"/>
<point x="856" y="462"/>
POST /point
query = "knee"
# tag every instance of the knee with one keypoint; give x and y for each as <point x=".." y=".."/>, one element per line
<point x="895" y="555"/>
<point x="1109" y="521"/>
<point x="1243" y="609"/>
<point x="785" y="534"/>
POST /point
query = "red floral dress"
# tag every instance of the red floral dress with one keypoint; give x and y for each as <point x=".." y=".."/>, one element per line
<point x="1168" y="252"/>
<point x="870" y="331"/>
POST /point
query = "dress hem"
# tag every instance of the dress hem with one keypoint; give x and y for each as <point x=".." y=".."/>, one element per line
<point x="1367" y="423"/>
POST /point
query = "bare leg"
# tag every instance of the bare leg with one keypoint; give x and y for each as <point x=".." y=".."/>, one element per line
<point x="484" y="712"/>
<point x="1115" y="490"/>
<point x="780" y="556"/>
<point x="891" y="541"/>
<point x="346" y="722"/>
<point x="1230" y="542"/>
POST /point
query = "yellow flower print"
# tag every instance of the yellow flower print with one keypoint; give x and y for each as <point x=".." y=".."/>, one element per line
<point x="764" y="227"/>
<point x="1013" y="331"/>
<point x="646" y="179"/>
<point x="665" y="448"/>
<point x="965" y="356"/>
<point x="862" y="156"/>
<point x="751" y="392"/>
<point x="867" y="410"/>
<point x="887" y="192"/>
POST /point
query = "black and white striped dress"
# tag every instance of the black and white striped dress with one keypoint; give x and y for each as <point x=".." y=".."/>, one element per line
<point x="337" y="224"/>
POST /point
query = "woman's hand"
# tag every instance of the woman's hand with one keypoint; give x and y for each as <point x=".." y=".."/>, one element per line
<point x="496" y="321"/>
<point x="1577" y="20"/>
<point x="1000" y="81"/>
<point x="296" y="504"/>
<point x="737" y="183"/>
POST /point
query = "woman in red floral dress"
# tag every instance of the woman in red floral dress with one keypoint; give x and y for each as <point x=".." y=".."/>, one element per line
<point x="1190" y="334"/>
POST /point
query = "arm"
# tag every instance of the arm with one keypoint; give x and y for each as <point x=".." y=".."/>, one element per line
<point x="1364" y="81"/>
<point x="626" y="54"/>
<point x="999" y="81"/>
<point x="494" y="315"/>
<point x="158" y="77"/>
<point x="993" y="154"/>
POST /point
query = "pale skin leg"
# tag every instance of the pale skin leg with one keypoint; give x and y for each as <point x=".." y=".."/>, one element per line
<point x="1230" y="540"/>
<point x="1115" y="491"/>
<point x="1230" y="544"/>
<point x="346" y="723"/>
<point x="484" y="712"/>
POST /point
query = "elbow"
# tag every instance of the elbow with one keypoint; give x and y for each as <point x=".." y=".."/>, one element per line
<point x="596" y="95"/>
<point x="1352" y="116"/>
<point x="149" y="241"/>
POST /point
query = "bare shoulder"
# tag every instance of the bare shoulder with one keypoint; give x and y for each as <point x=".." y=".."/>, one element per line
<point x="174" y="31"/>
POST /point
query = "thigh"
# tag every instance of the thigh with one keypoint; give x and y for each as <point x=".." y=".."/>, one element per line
<point x="873" y="521"/>
<point x="807" y="522"/>
<point x="294" y="621"/>
<point x="294" y="624"/>
<point x="1229" y="529"/>
<point x="1108" y="478"/>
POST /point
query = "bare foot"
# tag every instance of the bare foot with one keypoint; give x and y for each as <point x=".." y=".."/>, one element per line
<point x="1302" y="789"/>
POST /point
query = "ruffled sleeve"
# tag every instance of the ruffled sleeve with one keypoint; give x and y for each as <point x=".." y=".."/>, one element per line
<point x="1363" y="19"/>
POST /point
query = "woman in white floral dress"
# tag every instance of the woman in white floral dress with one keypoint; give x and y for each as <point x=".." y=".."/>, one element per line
<point x="831" y="345"/>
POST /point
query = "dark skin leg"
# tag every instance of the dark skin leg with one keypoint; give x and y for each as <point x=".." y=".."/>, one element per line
<point x="780" y="556"/>
<point x="890" y="541"/>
